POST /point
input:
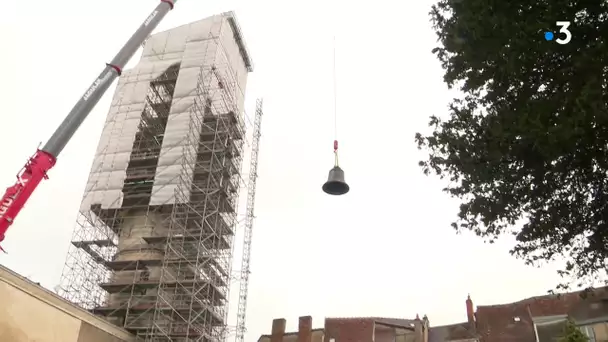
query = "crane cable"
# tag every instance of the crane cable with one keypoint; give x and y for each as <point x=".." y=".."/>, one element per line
<point x="335" y="107"/>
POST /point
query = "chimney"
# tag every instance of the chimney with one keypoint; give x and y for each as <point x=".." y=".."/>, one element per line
<point x="278" y="330"/>
<point x="470" y="312"/>
<point x="305" y="329"/>
<point x="426" y="324"/>
<point x="418" y="330"/>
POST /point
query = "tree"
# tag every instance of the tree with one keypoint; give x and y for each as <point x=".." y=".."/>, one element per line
<point x="525" y="146"/>
<point x="573" y="334"/>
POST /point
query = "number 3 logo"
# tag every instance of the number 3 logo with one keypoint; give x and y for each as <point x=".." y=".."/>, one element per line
<point x="564" y="29"/>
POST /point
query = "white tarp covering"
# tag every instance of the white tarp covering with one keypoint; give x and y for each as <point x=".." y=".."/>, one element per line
<point x="195" y="46"/>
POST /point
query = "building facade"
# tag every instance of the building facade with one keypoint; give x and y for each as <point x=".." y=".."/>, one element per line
<point x="535" y="319"/>
<point x="352" y="329"/>
<point x="152" y="249"/>
<point x="543" y="318"/>
<point x="32" y="313"/>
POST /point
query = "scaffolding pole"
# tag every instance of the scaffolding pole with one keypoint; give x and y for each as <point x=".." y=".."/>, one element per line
<point x="241" y="327"/>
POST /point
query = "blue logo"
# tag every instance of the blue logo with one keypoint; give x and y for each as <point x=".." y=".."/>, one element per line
<point x="548" y="36"/>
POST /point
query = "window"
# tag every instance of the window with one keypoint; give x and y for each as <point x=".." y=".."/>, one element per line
<point x="588" y="331"/>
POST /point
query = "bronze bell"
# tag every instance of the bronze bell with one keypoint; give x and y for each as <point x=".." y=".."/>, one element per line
<point x="335" y="184"/>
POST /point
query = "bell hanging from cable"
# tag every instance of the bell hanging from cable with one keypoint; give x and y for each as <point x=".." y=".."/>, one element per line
<point x="336" y="185"/>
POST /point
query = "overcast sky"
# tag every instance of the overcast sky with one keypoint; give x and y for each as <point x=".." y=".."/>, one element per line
<point x="385" y="249"/>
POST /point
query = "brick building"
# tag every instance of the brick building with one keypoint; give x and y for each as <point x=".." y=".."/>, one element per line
<point x="535" y="319"/>
<point x="360" y="329"/>
<point x="542" y="318"/>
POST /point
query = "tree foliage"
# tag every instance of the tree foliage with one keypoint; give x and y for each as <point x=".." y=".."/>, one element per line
<point x="573" y="334"/>
<point x="527" y="141"/>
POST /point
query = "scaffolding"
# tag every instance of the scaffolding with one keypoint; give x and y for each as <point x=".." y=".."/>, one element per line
<point x="241" y="327"/>
<point x="162" y="270"/>
<point x="192" y="297"/>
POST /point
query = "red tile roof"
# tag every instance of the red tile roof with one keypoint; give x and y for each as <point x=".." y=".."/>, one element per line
<point x="359" y="329"/>
<point x="349" y="329"/>
<point x="513" y="322"/>
<point x="443" y="333"/>
<point x="496" y="323"/>
<point x="289" y="333"/>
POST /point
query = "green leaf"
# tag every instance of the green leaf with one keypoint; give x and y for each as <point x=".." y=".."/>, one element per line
<point x="529" y="139"/>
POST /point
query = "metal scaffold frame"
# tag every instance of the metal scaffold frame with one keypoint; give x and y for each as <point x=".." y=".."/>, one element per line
<point x="241" y="327"/>
<point x="92" y="262"/>
<point x="195" y="278"/>
<point x="162" y="270"/>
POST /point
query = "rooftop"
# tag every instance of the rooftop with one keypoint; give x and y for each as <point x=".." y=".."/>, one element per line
<point x="238" y="36"/>
<point x="458" y="331"/>
<point x="515" y="321"/>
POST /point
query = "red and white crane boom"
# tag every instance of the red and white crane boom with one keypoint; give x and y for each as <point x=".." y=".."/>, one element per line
<point x="37" y="167"/>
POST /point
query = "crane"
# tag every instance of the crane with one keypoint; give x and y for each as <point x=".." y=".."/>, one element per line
<point x="249" y="217"/>
<point x="37" y="166"/>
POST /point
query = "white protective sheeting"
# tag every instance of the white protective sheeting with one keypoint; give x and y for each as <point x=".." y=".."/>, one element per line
<point x="207" y="42"/>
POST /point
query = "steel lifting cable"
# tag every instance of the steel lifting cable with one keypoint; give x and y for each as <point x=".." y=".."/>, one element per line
<point x="335" y="106"/>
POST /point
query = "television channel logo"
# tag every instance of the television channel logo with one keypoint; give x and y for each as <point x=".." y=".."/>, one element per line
<point x="563" y="25"/>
